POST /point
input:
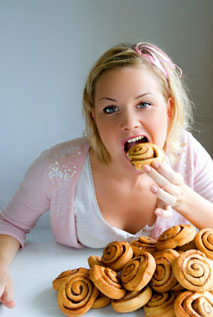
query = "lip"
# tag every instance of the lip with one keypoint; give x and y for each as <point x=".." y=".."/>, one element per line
<point x="132" y="137"/>
<point x="129" y="138"/>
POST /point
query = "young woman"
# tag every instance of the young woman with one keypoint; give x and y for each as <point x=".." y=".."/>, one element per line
<point x="134" y="94"/>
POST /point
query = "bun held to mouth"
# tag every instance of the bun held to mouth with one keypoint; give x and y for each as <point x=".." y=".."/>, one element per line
<point x="144" y="154"/>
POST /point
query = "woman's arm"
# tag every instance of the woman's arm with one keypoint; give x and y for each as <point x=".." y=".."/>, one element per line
<point x="171" y="189"/>
<point x="8" y="249"/>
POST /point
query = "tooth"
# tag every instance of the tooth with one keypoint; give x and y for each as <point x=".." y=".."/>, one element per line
<point x="136" y="139"/>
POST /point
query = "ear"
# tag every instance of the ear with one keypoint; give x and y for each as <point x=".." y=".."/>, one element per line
<point x="93" y="113"/>
<point x="170" y="107"/>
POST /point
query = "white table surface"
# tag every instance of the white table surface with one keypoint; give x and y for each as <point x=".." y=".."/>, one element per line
<point x="34" y="268"/>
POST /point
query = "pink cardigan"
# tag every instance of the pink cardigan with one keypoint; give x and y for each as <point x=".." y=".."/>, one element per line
<point x="50" y="182"/>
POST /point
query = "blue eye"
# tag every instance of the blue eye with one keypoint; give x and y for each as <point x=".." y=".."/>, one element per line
<point x="143" y="105"/>
<point x="110" y="109"/>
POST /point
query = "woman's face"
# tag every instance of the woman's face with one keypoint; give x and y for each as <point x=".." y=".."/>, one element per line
<point x="129" y="104"/>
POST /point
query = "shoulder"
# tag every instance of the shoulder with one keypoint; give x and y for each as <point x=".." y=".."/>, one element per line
<point x="193" y="157"/>
<point x="69" y="146"/>
<point x="194" y="150"/>
<point x="66" y="159"/>
<point x="77" y="147"/>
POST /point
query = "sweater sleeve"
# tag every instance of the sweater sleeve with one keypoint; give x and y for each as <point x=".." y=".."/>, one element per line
<point x="203" y="171"/>
<point x="30" y="201"/>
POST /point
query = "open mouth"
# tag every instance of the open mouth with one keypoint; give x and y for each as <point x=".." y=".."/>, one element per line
<point x="131" y="142"/>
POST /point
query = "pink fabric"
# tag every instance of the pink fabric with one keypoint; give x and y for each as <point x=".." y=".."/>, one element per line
<point x="49" y="184"/>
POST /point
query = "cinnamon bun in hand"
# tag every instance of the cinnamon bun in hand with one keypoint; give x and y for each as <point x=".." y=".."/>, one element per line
<point x="144" y="154"/>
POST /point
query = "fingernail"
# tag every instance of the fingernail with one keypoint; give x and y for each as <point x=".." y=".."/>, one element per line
<point x="158" y="212"/>
<point x="156" y="165"/>
<point x="154" y="189"/>
<point x="147" y="168"/>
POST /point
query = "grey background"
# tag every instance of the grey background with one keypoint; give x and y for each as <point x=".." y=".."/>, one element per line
<point x="47" y="48"/>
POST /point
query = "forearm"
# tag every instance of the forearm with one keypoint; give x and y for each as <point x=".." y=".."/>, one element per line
<point x="196" y="209"/>
<point x="8" y="249"/>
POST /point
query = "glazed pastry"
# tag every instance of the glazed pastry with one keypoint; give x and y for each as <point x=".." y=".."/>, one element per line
<point x="77" y="295"/>
<point x="116" y="255"/>
<point x="101" y="301"/>
<point x="132" y="301"/>
<point x="204" y="242"/>
<point x="137" y="273"/>
<point x="194" y="271"/>
<point x="194" y="304"/>
<point x="65" y="276"/>
<point x="161" y="304"/>
<point x="176" y="236"/>
<point x="107" y="281"/>
<point x="188" y="246"/>
<point x="94" y="260"/>
<point x="177" y="287"/>
<point x="143" y="244"/>
<point x="144" y="154"/>
<point x="163" y="279"/>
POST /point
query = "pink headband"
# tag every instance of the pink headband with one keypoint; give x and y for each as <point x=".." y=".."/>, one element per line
<point x="151" y="52"/>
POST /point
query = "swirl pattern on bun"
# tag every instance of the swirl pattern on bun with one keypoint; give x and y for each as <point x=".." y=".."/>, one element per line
<point x="107" y="281"/>
<point x="161" y="304"/>
<point x="176" y="236"/>
<point x="137" y="273"/>
<point x="163" y="279"/>
<point x="194" y="304"/>
<point x="204" y="242"/>
<point x="116" y="254"/>
<point x="77" y="294"/>
<point x="144" y="154"/>
<point x="194" y="271"/>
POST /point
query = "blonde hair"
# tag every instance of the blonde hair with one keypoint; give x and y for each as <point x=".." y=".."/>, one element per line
<point x="138" y="55"/>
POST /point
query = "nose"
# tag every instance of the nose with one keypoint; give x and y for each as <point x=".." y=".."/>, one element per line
<point x="129" y="121"/>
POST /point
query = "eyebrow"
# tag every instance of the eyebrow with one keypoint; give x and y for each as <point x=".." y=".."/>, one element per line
<point x="142" y="95"/>
<point x="107" y="98"/>
<point x="111" y="99"/>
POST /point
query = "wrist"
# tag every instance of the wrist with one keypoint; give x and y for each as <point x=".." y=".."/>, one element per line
<point x="183" y="201"/>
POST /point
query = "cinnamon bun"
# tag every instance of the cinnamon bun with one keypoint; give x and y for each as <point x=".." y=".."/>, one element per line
<point x="144" y="154"/>
<point x="194" y="271"/>
<point x="107" y="281"/>
<point x="77" y="294"/>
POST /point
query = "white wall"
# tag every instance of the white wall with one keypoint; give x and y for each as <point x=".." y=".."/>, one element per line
<point x="48" y="46"/>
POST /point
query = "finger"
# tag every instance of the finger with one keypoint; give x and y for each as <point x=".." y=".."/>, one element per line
<point x="9" y="304"/>
<point x="8" y="294"/>
<point x="7" y="298"/>
<point x="167" y="198"/>
<point x="158" y="178"/>
<point x="1" y="293"/>
<point x="165" y="213"/>
<point x="165" y="170"/>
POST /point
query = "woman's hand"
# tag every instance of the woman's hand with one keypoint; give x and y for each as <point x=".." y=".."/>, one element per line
<point x="6" y="289"/>
<point x="170" y="188"/>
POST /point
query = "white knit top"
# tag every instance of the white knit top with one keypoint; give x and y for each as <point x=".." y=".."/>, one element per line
<point x="92" y="229"/>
